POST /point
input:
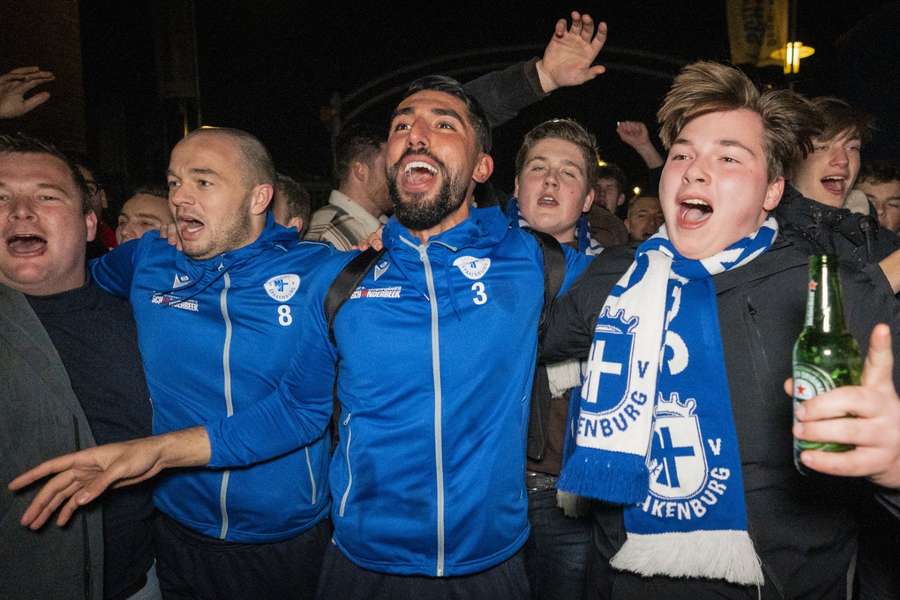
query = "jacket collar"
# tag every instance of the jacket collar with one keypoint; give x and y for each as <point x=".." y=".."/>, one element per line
<point x="484" y="228"/>
<point x="273" y="235"/>
<point x="781" y="256"/>
<point x="800" y="211"/>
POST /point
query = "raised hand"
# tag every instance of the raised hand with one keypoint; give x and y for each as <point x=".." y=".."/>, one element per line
<point x="569" y="53"/>
<point x="635" y="134"/>
<point x="13" y="87"/>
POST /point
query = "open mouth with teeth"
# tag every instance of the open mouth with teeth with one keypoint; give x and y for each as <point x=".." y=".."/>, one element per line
<point x="189" y="227"/>
<point x="419" y="173"/>
<point x="547" y="201"/>
<point x="694" y="212"/>
<point x="834" y="184"/>
<point x="25" y="244"/>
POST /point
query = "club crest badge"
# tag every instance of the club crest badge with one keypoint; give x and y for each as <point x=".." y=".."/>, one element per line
<point x="473" y="268"/>
<point x="282" y="288"/>
<point x="610" y="356"/>
<point x="613" y="397"/>
<point x="677" y="464"/>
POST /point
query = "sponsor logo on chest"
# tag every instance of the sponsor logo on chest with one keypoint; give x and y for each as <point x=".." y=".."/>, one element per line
<point x="175" y="302"/>
<point x="386" y="292"/>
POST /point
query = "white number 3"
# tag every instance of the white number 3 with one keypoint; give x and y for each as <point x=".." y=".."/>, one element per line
<point x="480" y="296"/>
<point x="284" y="315"/>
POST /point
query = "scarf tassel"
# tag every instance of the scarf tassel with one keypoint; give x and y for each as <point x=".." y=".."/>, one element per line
<point x="608" y="476"/>
<point x="723" y="554"/>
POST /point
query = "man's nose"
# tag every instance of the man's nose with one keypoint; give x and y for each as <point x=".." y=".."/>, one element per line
<point x="22" y="208"/>
<point x="418" y="134"/>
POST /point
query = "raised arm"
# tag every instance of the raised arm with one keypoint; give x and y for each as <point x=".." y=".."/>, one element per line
<point x="567" y="61"/>
<point x="635" y="134"/>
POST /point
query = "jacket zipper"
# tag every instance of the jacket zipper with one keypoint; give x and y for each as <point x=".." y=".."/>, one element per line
<point x="436" y="378"/>
<point x="229" y="406"/>
<point x="349" y="470"/>
<point x="312" y="477"/>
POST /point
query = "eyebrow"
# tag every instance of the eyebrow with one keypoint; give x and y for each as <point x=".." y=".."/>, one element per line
<point x="723" y="142"/>
<point x="444" y="112"/>
<point x="40" y="185"/>
<point x="53" y="186"/>
<point x="196" y="171"/>
<point x="565" y="161"/>
<point x="146" y="216"/>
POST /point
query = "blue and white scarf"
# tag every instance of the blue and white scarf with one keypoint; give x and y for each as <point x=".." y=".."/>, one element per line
<point x="654" y="429"/>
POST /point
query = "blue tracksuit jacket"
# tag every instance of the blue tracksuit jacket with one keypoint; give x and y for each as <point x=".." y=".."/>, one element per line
<point x="216" y="336"/>
<point x="435" y="355"/>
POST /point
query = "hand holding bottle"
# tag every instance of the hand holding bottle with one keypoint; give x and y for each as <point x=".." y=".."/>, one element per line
<point x="866" y="416"/>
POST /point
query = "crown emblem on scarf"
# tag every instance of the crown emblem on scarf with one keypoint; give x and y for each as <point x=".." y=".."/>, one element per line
<point x="674" y="406"/>
<point x="616" y="322"/>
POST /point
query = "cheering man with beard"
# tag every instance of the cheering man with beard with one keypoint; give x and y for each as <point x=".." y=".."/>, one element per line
<point x="427" y="487"/>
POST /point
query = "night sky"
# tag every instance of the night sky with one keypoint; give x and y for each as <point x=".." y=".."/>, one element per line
<point x="272" y="66"/>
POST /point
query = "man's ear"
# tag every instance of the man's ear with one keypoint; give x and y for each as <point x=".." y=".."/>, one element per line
<point x="621" y="199"/>
<point x="90" y="225"/>
<point x="359" y="170"/>
<point x="483" y="168"/>
<point x="773" y="194"/>
<point x="588" y="201"/>
<point x="295" y="222"/>
<point x="260" y="198"/>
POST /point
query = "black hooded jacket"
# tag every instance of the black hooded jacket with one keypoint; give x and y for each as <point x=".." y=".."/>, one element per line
<point x="816" y="228"/>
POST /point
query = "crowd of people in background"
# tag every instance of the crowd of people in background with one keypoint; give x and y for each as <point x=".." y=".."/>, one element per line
<point x="408" y="393"/>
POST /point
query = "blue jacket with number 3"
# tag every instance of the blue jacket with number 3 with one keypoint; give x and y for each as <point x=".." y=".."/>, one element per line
<point x="434" y="357"/>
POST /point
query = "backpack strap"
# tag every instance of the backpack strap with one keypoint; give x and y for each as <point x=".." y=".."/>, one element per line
<point x="554" y="271"/>
<point x="346" y="282"/>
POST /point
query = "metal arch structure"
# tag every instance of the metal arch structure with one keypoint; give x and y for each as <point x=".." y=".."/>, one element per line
<point x="347" y="107"/>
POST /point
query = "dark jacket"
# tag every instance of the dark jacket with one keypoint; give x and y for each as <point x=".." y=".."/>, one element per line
<point x="816" y="228"/>
<point x="804" y="529"/>
<point x="41" y="418"/>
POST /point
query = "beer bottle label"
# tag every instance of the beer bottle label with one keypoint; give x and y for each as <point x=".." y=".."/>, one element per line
<point x="810" y="381"/>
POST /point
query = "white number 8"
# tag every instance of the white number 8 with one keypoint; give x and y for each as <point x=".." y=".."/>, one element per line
<point x="284" y="315"/>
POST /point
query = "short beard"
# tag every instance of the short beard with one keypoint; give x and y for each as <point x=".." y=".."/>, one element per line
<point x="419" y="212"/>
<point x="233" y="235"/>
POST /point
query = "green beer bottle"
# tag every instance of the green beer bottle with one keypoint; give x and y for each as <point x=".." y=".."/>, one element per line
<point x="825" y="355"/>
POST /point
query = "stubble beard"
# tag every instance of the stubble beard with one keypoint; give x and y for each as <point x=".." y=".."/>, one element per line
<point x="232" y="235"/>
